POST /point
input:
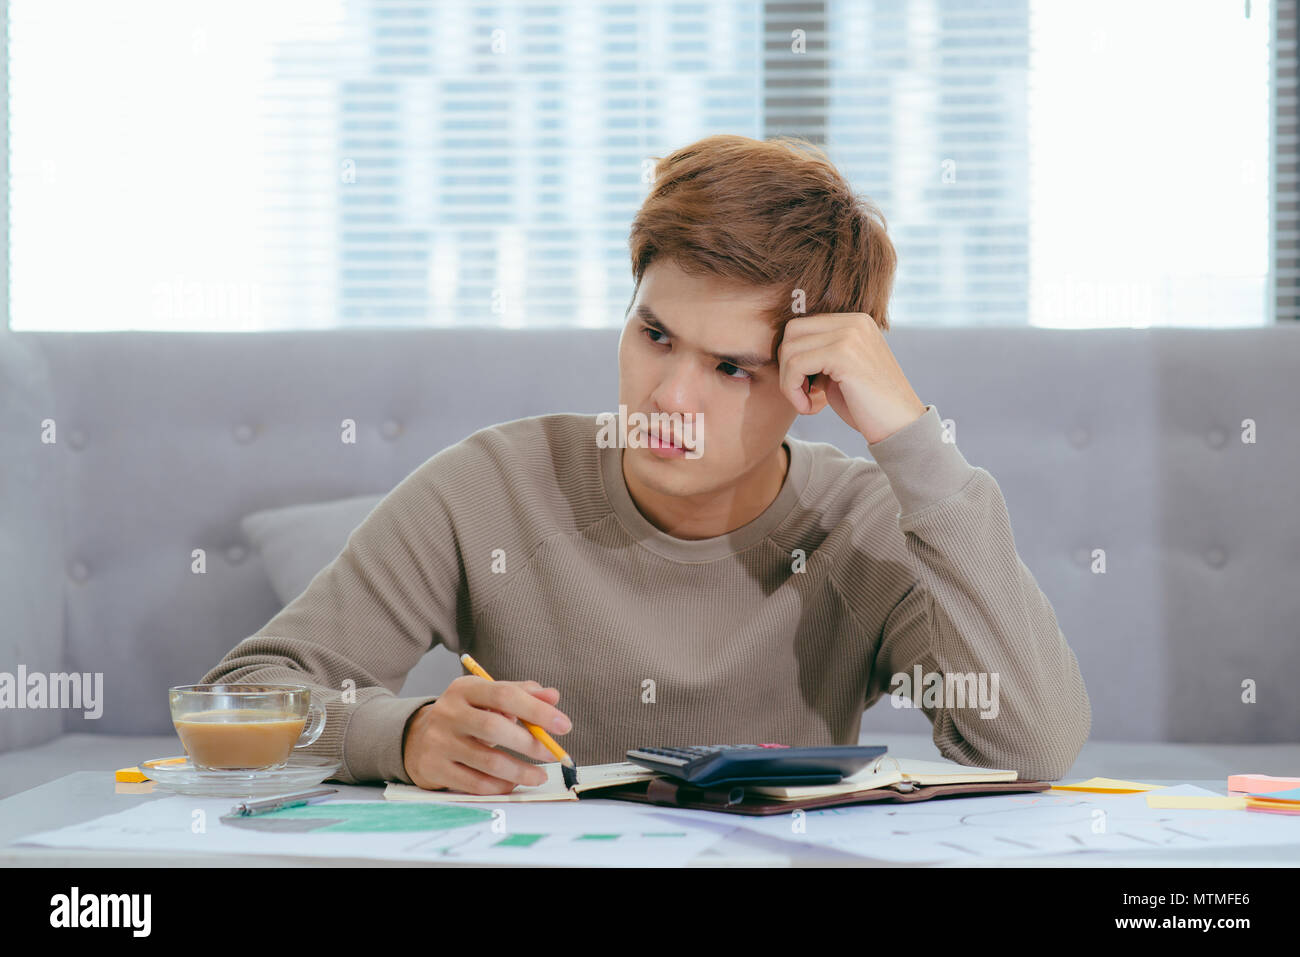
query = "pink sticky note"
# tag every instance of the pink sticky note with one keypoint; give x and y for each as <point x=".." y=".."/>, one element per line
<point x="1260" y="783"/>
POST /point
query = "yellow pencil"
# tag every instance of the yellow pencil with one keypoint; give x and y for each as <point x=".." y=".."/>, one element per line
<point x="537" y="732"/>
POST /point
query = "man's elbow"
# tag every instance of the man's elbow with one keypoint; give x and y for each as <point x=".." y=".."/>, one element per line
<point x="1048" y="746"/>
<point x="1061" y="749"/>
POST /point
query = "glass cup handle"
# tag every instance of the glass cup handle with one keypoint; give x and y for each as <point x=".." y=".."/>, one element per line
<point x="315" y="725"/>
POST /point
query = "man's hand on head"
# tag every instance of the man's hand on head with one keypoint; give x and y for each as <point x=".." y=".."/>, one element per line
<point x="842" y="359"/>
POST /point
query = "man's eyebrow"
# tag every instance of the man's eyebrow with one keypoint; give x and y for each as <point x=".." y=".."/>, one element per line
<point x="753" y="360"/>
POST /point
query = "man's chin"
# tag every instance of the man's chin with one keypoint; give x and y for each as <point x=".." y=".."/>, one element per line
<point x="666" y="476"/>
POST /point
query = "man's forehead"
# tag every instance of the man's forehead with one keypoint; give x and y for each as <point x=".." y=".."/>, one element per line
<point x="669" y="279"/>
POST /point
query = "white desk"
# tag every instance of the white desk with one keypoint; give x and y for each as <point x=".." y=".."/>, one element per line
<point x="85" y="795"/>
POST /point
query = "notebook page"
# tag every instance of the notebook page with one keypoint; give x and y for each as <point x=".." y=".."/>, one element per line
<point x="589" y="776"/>
<point x="887" y="770"/>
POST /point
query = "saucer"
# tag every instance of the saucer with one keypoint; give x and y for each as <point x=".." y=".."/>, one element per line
<point x="179" y="776"/>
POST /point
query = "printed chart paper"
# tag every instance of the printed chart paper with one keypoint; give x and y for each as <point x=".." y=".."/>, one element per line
<point x="566" y="833"/>
<point x="1024" y="825"/>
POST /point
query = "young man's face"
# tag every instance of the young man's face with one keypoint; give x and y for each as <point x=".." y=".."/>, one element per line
<point x="668" y="361"/>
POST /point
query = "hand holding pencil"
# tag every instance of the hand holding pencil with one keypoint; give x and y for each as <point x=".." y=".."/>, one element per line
<point x="454" y="743"/>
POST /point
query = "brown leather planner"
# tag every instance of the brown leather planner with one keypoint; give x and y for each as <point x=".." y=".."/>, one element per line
<point x="740" y="800"/>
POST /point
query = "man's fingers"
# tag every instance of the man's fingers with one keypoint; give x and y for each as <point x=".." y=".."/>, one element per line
<point x="467" y="780"/>
<point x="498" y="765"/>
<point x="515" y="701"/>
<point x="492" y="729"/>
<point x="793" y="373"/>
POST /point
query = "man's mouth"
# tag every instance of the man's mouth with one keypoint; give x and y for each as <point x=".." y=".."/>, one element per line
<point x="656" y="440"/>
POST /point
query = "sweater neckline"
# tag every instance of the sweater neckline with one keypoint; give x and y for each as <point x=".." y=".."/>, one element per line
<point x="704" y="549"/>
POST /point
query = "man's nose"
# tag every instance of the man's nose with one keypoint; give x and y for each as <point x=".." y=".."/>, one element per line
<point x="677" y="389"/>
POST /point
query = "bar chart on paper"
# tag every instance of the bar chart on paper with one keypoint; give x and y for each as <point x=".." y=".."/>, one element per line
<point x="453" y="831"/>
<point x="586" y="834"/>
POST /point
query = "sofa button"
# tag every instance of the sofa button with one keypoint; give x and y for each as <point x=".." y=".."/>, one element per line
<point x="77" y="439"/>
<point x="391" y="429"/>
<point x="1079" y="436"/>
<point x="79" y="571"/>
<point x="236" y="554"/>
<point x="1216" y="438"/>
<point x="243" y="433"/>
<point x="1216" y="557"/>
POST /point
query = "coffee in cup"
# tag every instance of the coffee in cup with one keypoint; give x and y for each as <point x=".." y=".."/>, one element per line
<point x="244" y="726"/>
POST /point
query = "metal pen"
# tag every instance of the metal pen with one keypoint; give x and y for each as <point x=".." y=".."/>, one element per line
<point x="249" y="808"/>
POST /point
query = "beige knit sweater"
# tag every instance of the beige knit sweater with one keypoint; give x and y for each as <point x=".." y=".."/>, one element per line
<point x="521" y="545"/>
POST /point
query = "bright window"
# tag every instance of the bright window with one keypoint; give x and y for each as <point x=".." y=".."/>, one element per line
<point x="270" y="165"/>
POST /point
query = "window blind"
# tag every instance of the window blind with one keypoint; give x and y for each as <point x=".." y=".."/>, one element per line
<point x="242" y="165"/>
<point x="1284" y="223"/>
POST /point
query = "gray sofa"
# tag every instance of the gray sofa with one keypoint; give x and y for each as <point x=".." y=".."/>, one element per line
<point x="1129" y="441"/>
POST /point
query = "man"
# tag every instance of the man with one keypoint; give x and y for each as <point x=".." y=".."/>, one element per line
<point x="707" y="579"/>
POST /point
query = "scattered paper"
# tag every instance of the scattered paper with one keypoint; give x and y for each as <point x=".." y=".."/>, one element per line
<point x="1003" y="826"/>
<point x="1107" y="786"/>
<point x="625" y="835"/>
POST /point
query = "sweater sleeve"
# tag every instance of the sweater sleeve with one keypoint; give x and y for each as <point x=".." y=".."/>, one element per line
<point x="975" y="608"/>
<point x="365" y="620"/>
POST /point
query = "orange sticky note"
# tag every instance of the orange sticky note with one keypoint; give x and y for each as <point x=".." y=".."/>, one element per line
<point x="136" y="776"/>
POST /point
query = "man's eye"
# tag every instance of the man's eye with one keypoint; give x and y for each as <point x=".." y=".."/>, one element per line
<point x="726" y="368"/>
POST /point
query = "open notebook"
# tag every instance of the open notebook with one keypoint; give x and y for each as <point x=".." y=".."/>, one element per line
<point x="590" y="777"/>
<point x="885" y="771"/>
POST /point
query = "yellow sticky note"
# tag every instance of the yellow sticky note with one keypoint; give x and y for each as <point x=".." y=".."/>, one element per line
<point x="136" y="776"/>
<point x="1252" y="801"/>
<point x="1215" y="802"/>
<point x="1107" y="786"/>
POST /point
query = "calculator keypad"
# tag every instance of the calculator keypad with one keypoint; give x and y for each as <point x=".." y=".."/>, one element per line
<point x="683" y="756"/>
<point x="702" y="763"/>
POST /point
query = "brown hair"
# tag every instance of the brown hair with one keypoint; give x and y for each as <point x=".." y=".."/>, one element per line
<point x="769" y="213"/>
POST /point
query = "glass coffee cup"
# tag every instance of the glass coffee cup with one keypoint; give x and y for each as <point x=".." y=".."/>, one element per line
<point x="247" y="727"/>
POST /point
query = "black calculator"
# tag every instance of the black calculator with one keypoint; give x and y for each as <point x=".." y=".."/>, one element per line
<point x="707" y="765"/>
